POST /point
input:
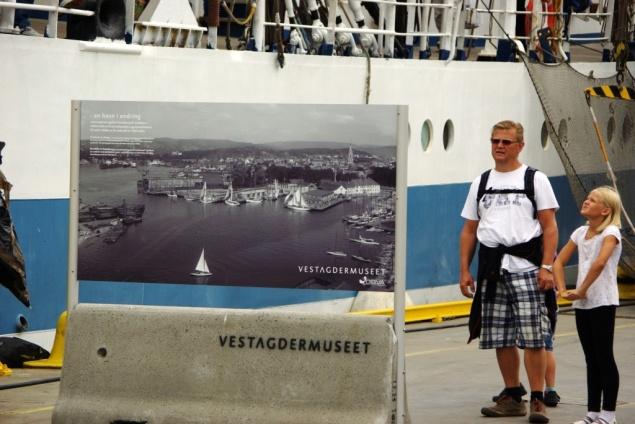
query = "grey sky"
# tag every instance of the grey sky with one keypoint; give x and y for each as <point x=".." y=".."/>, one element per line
<point x="257" y="123"/>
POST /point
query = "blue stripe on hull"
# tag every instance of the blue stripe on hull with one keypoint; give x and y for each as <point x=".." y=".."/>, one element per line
<point x="42" y="227"/>
<point x="434" y="223"/>
<point x="432" y="248"/>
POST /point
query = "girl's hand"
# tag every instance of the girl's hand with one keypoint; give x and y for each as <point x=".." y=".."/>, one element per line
<point x="573" y="295"/>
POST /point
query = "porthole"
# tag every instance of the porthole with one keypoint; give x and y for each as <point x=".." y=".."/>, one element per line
<point x="426" y="135"/>
<point x="448" y="134"/>
<point x="544" y="136"/>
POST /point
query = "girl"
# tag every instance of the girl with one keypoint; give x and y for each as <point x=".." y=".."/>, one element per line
<point x="595" y="297"/>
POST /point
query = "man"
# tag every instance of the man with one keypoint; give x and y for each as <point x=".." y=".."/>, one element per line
<point x="512" y="215"/>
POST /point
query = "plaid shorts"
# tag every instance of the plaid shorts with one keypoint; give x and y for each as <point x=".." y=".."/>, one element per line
<point x="517" y="316"/>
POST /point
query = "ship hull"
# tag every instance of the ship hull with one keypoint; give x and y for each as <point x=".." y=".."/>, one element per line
<point x="42" y="76"/>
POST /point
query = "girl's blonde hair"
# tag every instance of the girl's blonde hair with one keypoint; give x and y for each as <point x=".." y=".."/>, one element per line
<point x="612" y="200"/>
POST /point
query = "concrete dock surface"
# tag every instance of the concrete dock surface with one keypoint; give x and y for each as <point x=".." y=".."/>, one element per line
<point x="448" y="381"/>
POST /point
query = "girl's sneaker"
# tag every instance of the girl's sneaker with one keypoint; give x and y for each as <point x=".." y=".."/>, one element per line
<point x="603" y="421"/>
<point x="586" y="420"/>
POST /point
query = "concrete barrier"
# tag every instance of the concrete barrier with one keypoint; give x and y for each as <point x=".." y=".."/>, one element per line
<point x="156" y="365"/>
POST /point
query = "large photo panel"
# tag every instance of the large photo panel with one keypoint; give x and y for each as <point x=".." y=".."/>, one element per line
<point x="270" y="195"/>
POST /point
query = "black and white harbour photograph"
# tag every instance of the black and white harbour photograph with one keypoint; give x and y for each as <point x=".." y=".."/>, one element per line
<point x="270" y="195"/>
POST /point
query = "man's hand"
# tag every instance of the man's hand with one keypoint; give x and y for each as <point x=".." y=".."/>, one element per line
<point x="466" y="283"/>
<point x="545" y="280"/>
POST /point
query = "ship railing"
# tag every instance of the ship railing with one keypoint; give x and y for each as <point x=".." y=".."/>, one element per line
<point x="603" y="20"/>
<point x="453" y="31"/>
<point x="7" y="14"/>
<point x="451" y="9"/>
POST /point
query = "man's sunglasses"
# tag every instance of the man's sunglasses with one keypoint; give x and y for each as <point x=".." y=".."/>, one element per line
<point x="502" y="141"/>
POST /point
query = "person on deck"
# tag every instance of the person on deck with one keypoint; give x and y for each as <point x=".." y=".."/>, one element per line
<point x="22" y="22"/>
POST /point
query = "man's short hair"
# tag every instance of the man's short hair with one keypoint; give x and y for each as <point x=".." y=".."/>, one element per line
<point x="508" y="125"/>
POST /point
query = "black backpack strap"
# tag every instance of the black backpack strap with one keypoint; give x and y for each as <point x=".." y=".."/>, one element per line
<point x="481" y="188"/>
<point x="529" y="188"/>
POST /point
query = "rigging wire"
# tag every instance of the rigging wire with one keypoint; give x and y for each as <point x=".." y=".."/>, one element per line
<point x="606" y="157"/>
<point x="548" y="119"/>
<point x="524" y="59"/>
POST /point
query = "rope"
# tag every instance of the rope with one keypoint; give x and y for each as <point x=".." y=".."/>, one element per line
<point x="563" y="153"/>
<point x="541" y="96"/>
<point x="367" y="84"/>
<point x="228" y="44"/>
<point x="564" y="156"/>
<point x="245" y="21"/>
<point x="278" y="35"/>
<point x="29" y="383"/>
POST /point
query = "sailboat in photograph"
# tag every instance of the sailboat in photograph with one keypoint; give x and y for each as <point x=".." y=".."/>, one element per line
<point x="360" y="258"/>
<point x="297" y="202"/>
<point x="229" y="198"/>
<point x="204" y="197"/>
<point x="273" y="194"/>
<point x="255" y="198"/>
<point x="201" y="270"/>
<point x="335" y="251"/>
<point x="364" y="240"/>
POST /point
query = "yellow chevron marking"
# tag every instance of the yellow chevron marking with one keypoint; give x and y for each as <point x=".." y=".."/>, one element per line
<point x="625" y="93"/>
<point x="606" y="90"/>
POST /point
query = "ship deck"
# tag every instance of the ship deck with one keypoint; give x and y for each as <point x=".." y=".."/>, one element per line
<point x="448" y="381"/>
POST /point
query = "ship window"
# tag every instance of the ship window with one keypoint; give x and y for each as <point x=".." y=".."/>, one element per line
<point x="448" y="134"/>
<point x="544" y="136"/>
<point x="610" y="129"/>
<point x="562" y="133"/>
<point x="426" y="135"/>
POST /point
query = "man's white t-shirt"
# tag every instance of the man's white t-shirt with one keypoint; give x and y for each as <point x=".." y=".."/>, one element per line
<point x="508" y="219"/>
<point x="603" y="291"/>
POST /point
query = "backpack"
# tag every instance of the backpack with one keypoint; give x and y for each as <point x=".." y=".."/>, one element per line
<point x="528" y="190"/>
